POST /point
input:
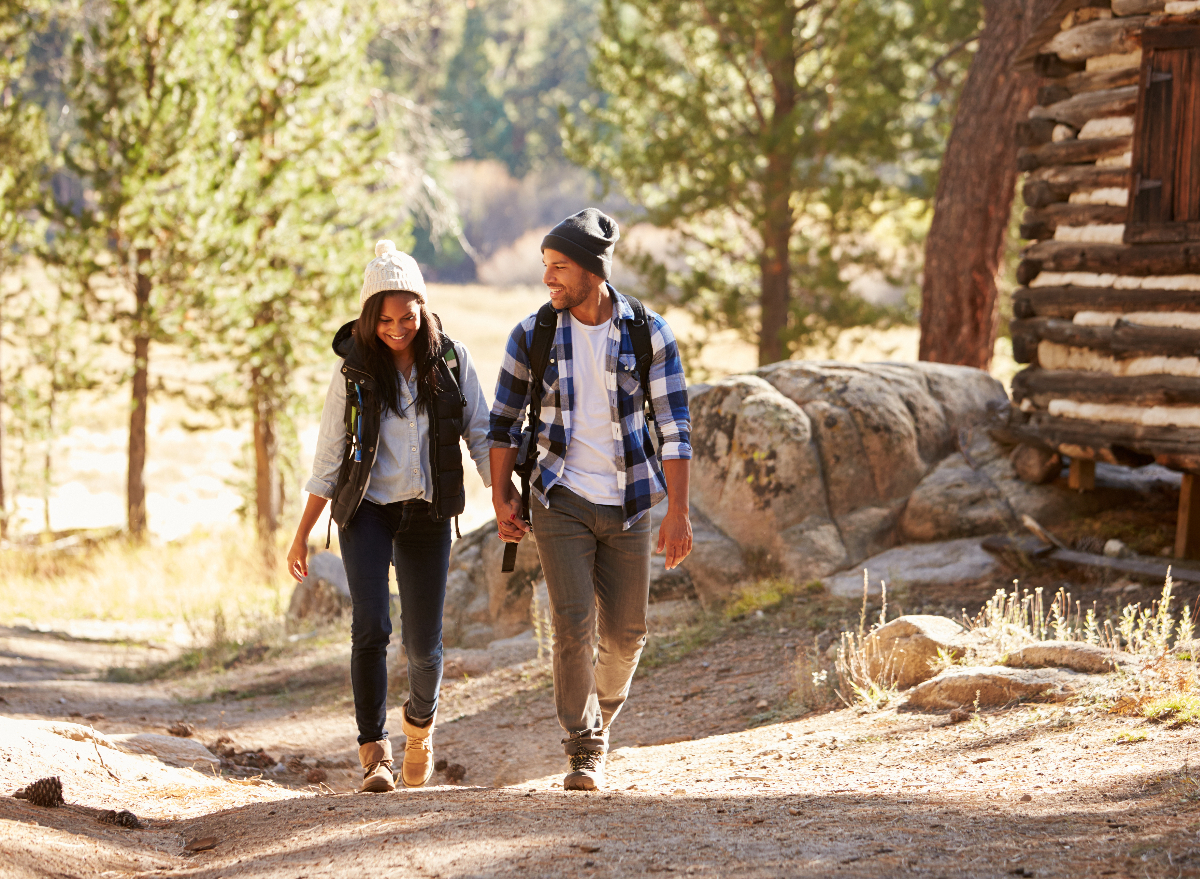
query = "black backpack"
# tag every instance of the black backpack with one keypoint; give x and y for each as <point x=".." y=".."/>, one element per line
<point x="539" y="358"/>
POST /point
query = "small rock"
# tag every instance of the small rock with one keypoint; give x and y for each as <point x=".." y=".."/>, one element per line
<point x="182" y="729"/>
<point x="316" y="775"/>
<point x="958" y="715"/>
<point x="1075" y="655"/>
<point x="1025" y="798"/>
<point x="441" y="764"/>
<point x="792" y="811"/>
<point x="680" y="791"/>
<point x="1116" y="549"/>
<point x="762" y="703"/>
<point x="590" y="849"/>
<point x="996" y="686"/>
<point x="1036" y="465"/>
<point x="902" y="651"/>
<point x="456" y="772"/>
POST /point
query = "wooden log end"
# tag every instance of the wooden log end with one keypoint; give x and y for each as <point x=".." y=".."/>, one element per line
<point x="1028" y="269"/>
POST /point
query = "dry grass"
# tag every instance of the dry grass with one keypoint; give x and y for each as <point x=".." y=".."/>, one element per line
<point x="183" y="581"/>
<point x="1011" y="620"/>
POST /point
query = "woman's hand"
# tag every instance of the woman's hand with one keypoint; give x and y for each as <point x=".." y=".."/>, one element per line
<point x="510" y="521"/>
<point x="297" y="559"/>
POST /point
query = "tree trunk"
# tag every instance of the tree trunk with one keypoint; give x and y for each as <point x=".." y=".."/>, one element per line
<point x="975" y="192"/>
<point x="775" y="260"/>
<point x="266" y="462"/>
<point x="776" y="281"/>
<point x="3" y="504"/>
<point x="135" y="487"/>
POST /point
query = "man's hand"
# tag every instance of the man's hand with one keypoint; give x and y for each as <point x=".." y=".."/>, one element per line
<point x="675" y="536"/>
<point x="510" y="518"/>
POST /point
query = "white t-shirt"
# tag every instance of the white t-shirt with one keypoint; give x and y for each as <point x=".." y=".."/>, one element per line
<point x="590" y="467"/>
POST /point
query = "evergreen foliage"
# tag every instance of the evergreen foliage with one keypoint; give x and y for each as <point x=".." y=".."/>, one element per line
<point x="131" y="90"/>
<point x="773" y="136"/>
<point x="295" y="184"/>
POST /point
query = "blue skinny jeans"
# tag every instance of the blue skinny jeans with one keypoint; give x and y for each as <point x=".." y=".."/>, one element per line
<point x="404" y="534"/>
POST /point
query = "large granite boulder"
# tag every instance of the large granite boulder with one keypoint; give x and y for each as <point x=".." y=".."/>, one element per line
<point x="755" y="466"/>
<point x="809" y="466"/>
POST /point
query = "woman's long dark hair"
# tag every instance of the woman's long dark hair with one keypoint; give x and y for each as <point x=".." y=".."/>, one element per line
<point x="378" y="357"/>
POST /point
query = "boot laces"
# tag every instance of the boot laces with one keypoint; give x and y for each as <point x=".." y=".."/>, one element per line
<point x="425" y="744"/>
<point x="587" y="761"/>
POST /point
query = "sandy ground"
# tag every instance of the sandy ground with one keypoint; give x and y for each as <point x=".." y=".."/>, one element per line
<point x="711" y="774"/>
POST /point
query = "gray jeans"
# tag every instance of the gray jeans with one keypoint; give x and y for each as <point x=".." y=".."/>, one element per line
<point x="598" y="579"/>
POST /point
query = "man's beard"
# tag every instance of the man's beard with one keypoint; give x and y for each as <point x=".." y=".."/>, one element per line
<point x="574" y="296"/>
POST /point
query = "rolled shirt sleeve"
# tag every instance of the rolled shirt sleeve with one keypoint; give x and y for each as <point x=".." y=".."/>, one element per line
<point x="512" y="389"/>
<point x="331" y="439"/>
<point x="668" y="395"/>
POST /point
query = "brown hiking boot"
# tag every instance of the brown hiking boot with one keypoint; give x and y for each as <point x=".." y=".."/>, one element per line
<point x="376" y="759"/>
<point x="587" y="771"/>
<point x="418" y="750"/>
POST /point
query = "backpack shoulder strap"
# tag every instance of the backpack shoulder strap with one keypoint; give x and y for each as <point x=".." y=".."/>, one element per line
<point x="539" y="350"/>
<point x="643" y="349"/>
<point x="450" y="355"/>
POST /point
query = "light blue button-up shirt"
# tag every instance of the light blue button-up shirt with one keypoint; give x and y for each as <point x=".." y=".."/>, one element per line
<point x="401" y="470"/>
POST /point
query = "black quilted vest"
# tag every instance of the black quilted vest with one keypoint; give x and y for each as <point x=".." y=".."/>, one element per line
<point x="364" y="412"/>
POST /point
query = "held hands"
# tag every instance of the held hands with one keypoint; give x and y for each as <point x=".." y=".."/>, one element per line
<point x="675" y="537"/>
<point x="510" y="518"/>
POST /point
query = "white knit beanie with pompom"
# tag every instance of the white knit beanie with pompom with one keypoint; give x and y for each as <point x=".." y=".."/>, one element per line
<point x="391" y="269"/>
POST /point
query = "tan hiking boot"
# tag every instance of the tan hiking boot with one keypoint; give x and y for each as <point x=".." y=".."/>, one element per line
<point x="376" y="759"/>
<point x="418" y="750"/>
<point x="587" y="771"/>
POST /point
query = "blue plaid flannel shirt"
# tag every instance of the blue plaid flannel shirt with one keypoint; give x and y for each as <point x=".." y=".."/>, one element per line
<point x="639" y="471"/>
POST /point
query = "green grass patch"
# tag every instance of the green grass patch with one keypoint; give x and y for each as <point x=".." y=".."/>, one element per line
<point x="1177" y="709"/>
<point x="767" y="594"/>
<point x="1129" y="736"/>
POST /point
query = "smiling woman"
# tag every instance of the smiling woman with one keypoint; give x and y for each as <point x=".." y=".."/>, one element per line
<point x="388" y="458"/>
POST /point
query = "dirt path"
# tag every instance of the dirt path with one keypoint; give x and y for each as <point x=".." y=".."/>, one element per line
<point x="1034" y="791"/>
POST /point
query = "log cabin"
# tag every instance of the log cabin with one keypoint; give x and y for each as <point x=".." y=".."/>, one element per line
<point x="1107" y="316"/>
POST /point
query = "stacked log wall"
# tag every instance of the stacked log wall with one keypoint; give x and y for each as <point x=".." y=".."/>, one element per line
<point x="1111" y="330"/>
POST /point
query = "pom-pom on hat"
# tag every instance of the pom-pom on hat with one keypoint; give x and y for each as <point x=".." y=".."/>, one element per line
<point x="391" y="269"/>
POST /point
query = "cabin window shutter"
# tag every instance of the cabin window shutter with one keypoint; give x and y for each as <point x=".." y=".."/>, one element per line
<point x="1164" y="194"/>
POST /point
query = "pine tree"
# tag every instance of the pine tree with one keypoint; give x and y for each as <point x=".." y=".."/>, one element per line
<point x="773" y="135"/>
<point x="132" y="93"/>
<point x="24" y="156"/>
<point x="298" y="182"/>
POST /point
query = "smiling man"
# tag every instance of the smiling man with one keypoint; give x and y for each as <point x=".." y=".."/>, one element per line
<point x="597" y="474"/>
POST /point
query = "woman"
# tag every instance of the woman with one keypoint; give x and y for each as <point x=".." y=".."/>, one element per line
<point x="390" y="463"/>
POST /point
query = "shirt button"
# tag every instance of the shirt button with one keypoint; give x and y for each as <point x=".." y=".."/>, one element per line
<point x="414" y="448"/>
<point x="410" y="424"/>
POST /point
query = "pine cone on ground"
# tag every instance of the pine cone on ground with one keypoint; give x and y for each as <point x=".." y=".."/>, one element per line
<point x="123" y="818"/>
<point x="43" y="792"/>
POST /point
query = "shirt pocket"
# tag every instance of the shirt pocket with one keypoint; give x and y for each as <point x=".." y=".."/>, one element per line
<point x="550" y="393"/>
<point x="628" y="380"/>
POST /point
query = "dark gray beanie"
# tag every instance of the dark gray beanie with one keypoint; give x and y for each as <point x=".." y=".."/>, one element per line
<point x="588" y="238"/>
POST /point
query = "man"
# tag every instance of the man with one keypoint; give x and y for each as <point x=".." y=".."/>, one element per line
<point x="596" y="478"/>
